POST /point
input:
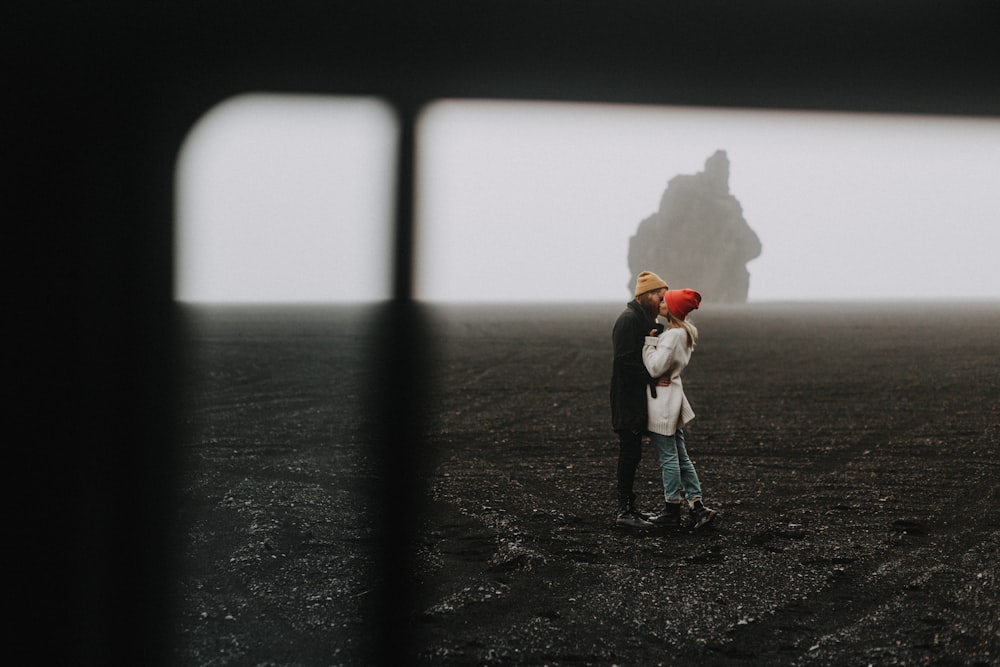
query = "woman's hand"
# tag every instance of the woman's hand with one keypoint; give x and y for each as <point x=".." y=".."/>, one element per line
<point x="663" y="381"/>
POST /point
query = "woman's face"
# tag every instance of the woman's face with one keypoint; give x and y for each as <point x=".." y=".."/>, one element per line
<point x="664" y="311"/>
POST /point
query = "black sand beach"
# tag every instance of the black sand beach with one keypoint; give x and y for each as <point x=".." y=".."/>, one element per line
<point x="850" y="448"/>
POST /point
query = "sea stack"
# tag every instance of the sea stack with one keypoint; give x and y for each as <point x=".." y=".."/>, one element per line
<point x="698" y="238"/>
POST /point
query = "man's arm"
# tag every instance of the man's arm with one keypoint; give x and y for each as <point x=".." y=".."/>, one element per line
<point x="628" y="339"/>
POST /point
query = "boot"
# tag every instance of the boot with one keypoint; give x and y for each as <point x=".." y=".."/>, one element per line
<point x="701" y="515"/>
<point x="669" y="516"/>
<point x="645" y="516"/>
<point x="627" y="515"/>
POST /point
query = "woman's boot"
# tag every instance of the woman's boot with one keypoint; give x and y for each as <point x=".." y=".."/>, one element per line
<point x="669" y="517"/>
<point x="701" y="515"/>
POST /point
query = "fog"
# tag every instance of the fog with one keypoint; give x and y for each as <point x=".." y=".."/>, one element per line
<point x="290" y="199"/>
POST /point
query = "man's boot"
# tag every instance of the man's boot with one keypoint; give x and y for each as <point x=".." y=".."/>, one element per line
<point x="627" y="516"/>
<point x="669" y="516"/>
<point x="645" y="516"/>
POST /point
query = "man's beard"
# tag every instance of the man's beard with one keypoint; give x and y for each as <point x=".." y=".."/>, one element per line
<point x="652" y="309"/>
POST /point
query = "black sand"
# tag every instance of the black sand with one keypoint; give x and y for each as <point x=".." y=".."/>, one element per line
<point x="851" y="450"/>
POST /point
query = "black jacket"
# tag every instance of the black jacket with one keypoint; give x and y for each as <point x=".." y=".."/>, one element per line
<point x="628" y="374"/>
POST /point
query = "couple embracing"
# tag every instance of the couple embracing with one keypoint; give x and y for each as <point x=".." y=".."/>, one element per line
<point x="648" y="401"/>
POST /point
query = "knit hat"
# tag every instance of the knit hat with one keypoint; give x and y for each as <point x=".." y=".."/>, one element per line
<point x="647" y="282"/>
<point x="680" y="302"/>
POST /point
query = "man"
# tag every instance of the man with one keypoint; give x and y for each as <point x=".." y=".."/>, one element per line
<point x="629" y="380"/>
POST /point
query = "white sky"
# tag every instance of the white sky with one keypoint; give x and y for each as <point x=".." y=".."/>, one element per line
<point x="289" y="199"/>
<point x="286" y="198"/>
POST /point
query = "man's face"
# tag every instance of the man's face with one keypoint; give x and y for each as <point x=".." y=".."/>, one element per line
<point x="651" y="301"/>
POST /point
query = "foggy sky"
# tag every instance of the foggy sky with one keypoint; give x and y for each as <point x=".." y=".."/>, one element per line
<point x="289" y="199"/>
<point x="286" y="198"/>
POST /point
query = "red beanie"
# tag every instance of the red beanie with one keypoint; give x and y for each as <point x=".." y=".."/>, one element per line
<point x="680" y="302"/>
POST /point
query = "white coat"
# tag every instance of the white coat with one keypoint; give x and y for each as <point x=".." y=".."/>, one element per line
<point x="667" y="355"/>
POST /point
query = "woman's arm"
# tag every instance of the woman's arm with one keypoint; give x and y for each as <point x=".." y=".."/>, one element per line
<point x="660" y="357"/>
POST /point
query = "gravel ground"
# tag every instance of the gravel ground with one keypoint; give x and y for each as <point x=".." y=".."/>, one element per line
<point x="851" y="451"/>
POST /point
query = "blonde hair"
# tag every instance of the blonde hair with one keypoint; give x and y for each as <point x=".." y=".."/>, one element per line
<point x="692" y="331"/>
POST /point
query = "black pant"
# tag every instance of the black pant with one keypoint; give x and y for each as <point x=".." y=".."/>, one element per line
<point x="629" y="455"/>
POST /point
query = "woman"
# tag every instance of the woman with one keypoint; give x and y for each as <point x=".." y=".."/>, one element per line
<point x="665" y="357"/>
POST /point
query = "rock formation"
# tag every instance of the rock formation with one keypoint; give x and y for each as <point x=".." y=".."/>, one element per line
<point x="698" y="238"/>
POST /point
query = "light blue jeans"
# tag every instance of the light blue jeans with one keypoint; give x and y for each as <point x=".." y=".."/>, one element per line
<point x="680" y="479"/>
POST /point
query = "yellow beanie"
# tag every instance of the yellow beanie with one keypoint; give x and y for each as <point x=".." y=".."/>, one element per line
<point x="647" y="282"/>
